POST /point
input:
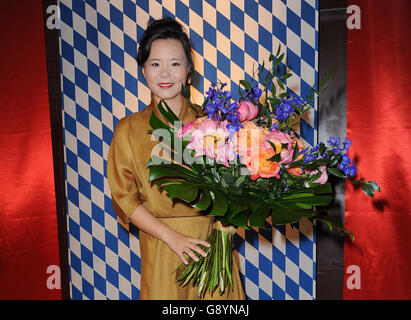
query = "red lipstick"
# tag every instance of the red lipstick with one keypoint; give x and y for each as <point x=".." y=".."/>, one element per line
<point x="165" y="85"/>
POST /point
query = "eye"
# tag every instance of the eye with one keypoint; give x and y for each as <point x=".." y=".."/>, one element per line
<point x="175" y="64"/>
<point x="154" y="64"/>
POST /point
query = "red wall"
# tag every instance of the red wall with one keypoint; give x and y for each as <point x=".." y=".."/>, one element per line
<point x="379" y="124"/>
<point x="378" y="121"/>
<point x="28" y="227"/>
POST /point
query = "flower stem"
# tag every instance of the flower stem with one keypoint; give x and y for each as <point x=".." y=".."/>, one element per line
<point x="213" y="271"/>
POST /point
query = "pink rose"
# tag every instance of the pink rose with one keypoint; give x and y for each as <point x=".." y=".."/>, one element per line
<point x="279" y="139"/>
<point x="247" y="111"/>
<point x="209" y="138"/>
<point x="324" y="176"/>
<point x="186" y="128"/>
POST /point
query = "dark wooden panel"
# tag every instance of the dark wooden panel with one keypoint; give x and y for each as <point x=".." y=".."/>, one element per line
<point x="54" y="88"/>
<point x="332" y="122"/>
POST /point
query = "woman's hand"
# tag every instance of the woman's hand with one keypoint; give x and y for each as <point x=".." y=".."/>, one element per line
<point x="181" y="244"/>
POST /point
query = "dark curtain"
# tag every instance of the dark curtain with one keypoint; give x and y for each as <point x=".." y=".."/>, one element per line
<point x="379" y="124"/>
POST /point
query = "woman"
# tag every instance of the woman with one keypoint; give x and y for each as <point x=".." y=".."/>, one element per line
<point x="168" y="231"/>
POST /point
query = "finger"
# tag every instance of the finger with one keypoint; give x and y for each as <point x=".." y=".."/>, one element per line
<point x="183" y="259"/>
<point x="192" y="255"/>
<point x="202" y="242"/>
<point x="199" y="250"/>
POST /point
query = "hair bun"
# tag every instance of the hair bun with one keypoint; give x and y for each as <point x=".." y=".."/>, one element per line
<point x="169" y="24"/>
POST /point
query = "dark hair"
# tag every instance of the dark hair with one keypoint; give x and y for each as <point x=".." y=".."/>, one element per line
<point x="165" y="28"/>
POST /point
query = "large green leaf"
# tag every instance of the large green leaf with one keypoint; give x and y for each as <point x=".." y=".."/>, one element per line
<point x="158" y="172"/>
<point x="205" y="200"/>
<point x="161" y="182"/>
<point x="317" y="200"/>
<point x="156" y="123"/>
<point x="155" y="161"/>
<point x="297" y="196"/>
<point x="166" y="112"/>
<point x="286" y="213"/>
<point x="184" y="191"/>
<point x="257" y="218"/>
<point x="316" y="188"/>
<point x="220" y="203"/>
<point x="240" y="220"/>
<point x="236" y="206"/>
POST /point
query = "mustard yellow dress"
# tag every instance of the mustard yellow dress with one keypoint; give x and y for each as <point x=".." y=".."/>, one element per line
<point x="127" y="174"/>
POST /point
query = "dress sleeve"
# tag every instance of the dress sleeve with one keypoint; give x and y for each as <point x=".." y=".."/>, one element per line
<point x="122" y="178"/>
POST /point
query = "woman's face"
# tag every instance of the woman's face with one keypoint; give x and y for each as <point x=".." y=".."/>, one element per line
<point x="166" y="69"/>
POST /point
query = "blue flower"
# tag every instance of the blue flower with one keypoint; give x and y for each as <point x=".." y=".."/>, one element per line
<point x="310" y="157"/>
<point x="347" y="143"/>
<point x="219" y="106"/>
<point x="252" y="95"/>
<point x="347" y="166"/>
<point x="350" y="170"/>
<point x="334" y="142"/>
<point x="345" y="160"/>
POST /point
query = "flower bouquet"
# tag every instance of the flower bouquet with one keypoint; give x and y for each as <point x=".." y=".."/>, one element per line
<point x="242" y="162"/>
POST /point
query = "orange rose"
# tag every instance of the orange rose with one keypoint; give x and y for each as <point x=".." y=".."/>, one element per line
<point x="297" y="171"/>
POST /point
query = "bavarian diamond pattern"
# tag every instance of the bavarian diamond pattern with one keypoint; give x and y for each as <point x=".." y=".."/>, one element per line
<point x="101" y="84"/>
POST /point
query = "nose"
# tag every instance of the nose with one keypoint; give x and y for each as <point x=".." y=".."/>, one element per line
<point x="165" y="72"/>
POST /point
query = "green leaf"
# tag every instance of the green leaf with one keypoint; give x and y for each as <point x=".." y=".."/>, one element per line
<point x="333" y="222"/>
<point x="357" y="181"/>
<point x="297" y="196"/>
<point x="237" y="206"/>
<point x="240" y="180"/>
<point x="273" y="90"/>
<point x="220" y="203"/>
<point x="268" y="115"/>
<point x="246" y="84"/>
<point x="368" y="189"/>
<point x="336" y="172"/>
<point x="184" y="191"/>
<point x="205" y="200"/>
<point x="280" y="83"/>
<point x="257" y="218"/>
<point x="374" y="185"/>
<point x="240" y="220"/>
<point x="157" y="172"/>
<point x="272" y="145"/>
<point x="304" y="205"/>
<point x="166" y="112"/>
<point x="295" y="152"/>
<point x="278" y="50"/>
<point x="285" y="214"/>
<point x="161" y="182"/>
<point x="279" y="59"/>
<point x="286" y="76"/>
<point x="319" y="188"/>
<point x="267" y="77"/>
<point x="275" y="158"/>
<point x="154" y="162"/>
<point x="271" y="57"/>
<point x="156" y="123"/>
<point x="321" y="149"/>
<point x="316" y="176"/>
<point x="228" y="178"/>
<point x="317" y="200"/>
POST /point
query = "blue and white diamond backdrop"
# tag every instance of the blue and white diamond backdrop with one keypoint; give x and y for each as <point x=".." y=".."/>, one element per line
<point x="101" y="84"/>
